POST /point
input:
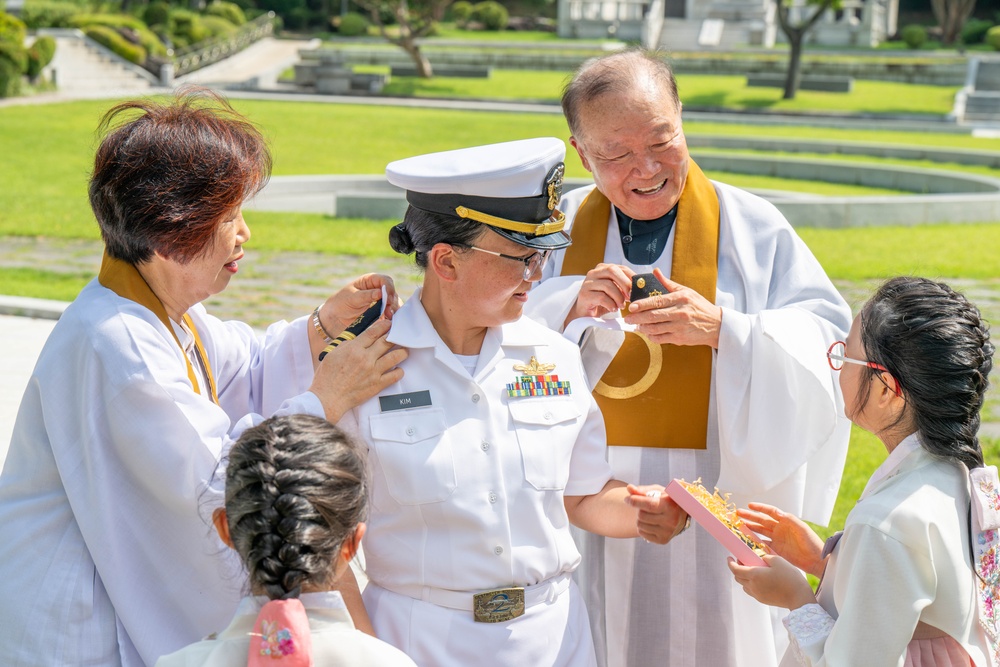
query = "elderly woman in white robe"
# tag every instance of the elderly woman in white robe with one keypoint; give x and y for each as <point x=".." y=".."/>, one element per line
<point x="138" y="393"/>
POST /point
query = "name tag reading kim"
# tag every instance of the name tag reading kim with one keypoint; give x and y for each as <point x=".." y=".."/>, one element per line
<point x="413" y="399"/>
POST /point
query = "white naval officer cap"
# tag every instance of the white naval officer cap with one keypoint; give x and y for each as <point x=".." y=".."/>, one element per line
<point x="514" y="187"/>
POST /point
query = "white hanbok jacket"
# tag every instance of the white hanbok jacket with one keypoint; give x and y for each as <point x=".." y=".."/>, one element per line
<point x="335" y="641"/>
<point x="776" y="434"/>
<point x="903" y="559"/>
<point x="108" y="555"/>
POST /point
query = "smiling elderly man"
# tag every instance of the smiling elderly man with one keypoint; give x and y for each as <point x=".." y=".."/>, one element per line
<point x="724" y="377"/>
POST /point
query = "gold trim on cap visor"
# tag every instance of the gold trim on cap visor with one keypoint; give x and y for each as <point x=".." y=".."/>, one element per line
<point x="550" y="226"/>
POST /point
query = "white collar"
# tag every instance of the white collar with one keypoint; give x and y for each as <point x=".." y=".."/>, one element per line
<point x="910" y="444"/>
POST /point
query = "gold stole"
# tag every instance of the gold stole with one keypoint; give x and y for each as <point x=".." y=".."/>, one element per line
<point x="644" y="406"/>
<point x="125" y="280"/>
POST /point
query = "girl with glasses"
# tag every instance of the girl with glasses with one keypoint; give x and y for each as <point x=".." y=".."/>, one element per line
<point x="913" y="577"/>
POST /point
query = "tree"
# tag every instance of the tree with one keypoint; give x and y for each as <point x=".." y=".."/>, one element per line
<point x="795" y="34"/>
<point x="414" y="18"/>
<point x="951" y="15"/>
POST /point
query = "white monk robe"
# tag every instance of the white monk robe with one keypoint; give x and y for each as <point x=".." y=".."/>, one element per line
<point x="776" y="434"/>
<point x="106" y="556"/>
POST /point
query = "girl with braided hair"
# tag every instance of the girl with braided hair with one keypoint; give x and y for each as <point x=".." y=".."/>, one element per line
<point x="913" y="578"/>
<point x="296" y="498"/>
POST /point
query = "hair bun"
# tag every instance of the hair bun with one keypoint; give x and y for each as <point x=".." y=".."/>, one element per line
<point x="400" y="239"/>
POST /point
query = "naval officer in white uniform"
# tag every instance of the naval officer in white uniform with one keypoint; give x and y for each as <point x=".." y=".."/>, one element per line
<point x="491" y="445"/>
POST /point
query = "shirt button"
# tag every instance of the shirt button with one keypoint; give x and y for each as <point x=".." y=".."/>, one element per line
<point x="498" y="550"/>
<point x="475" y="398"/>
<point x="547" y="415"/>
<point x="493" y="497"/>
<point x="485" y="446"/>
<point x="409" y="430"/>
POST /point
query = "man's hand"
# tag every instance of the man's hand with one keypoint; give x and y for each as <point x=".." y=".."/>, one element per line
<point x="605" y="288"/>
<point x="679" y="317"/>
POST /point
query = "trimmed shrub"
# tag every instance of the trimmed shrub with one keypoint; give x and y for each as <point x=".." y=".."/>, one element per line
<point x="40" y="54"/>
<point x="186" y="27"/>
<point x="491" y="14"/>
<point x="156" y="13"/>
<point x="993" y="37"/>
<point x="42" y="14"/>
<point x="15" y="54"/>
<point x="108" y="20"/>
<point x="12" y="29"/>
<point x="217" y="26"/>
<point x="111" y="39"/>
<point x="974" y="31"/>
<point x="353" y="24"/>
<point x="461" y="11"/>
<point x="10" y="78"/>
<point x="227" y="10"/>
<point x="914" y="35"/>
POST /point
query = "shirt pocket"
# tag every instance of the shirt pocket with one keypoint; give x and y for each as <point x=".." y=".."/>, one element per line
<point x="546" y="429"/>
<point x="415" y="454"/>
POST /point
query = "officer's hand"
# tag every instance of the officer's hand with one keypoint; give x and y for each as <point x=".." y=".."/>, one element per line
<point x="660" y="518"/>
<point x="680" y="317"/>
<point x="605" y="288"/>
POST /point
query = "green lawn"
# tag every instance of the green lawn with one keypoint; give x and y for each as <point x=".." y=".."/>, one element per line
<point x="696" y="91"/>
<point x="48" y="149"/>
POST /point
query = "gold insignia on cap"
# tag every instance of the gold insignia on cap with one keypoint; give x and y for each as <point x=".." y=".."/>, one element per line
<point x="554" y="184"/>
<point x="534" y="368"/>
<point x="640" y="283"/>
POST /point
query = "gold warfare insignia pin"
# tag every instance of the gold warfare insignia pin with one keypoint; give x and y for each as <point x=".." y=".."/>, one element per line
<point x="536" y="381"/>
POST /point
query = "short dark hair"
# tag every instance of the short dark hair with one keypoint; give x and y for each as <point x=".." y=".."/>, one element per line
<point x="421" y="230"/>
<point x="937" y="346"/>
<point x="166" y="178"/>
<point x="296" y="489"/>
<point x="614" y="73"/>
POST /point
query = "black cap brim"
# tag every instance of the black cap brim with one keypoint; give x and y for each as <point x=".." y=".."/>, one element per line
<point x="555" y="241"/>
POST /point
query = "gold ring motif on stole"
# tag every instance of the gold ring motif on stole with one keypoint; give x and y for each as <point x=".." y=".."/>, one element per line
<point x="644" y="383"/>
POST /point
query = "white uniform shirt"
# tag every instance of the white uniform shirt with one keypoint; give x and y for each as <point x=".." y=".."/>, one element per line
<point x="467" y="493"/>
<point x="108" y="556"/>
<point x="903" y="558"/>
<point x="776" y="434"/>
<point x="335" y="641"/>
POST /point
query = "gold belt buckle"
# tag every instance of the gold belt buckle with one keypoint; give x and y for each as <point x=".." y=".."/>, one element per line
<point x="499" y="605"/>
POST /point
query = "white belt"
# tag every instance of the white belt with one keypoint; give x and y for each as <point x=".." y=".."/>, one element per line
<point x="545" y="591"/>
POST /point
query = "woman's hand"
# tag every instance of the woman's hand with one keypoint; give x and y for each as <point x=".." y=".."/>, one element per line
<point x="779" y="584"/>
<point x="660" y="518"/>
<point x="347" y="304"/>
<point x="356" y="370"/>
<point x="789" y="536"/>
<point x="605" y="288"/>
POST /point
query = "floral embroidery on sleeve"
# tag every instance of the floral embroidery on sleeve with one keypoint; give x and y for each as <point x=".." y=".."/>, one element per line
<point x="808" y="625"/>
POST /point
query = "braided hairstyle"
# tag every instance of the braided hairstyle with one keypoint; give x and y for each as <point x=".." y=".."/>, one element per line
<point x="936" y="344"/>
<point x="296" y="489"/>
<point x="421" y="230"/>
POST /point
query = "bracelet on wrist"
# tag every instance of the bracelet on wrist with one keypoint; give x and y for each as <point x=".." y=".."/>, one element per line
<point x="320" y="329"/>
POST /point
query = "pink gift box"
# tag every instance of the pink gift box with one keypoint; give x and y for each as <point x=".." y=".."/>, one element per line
<point x="726" y="536"/>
